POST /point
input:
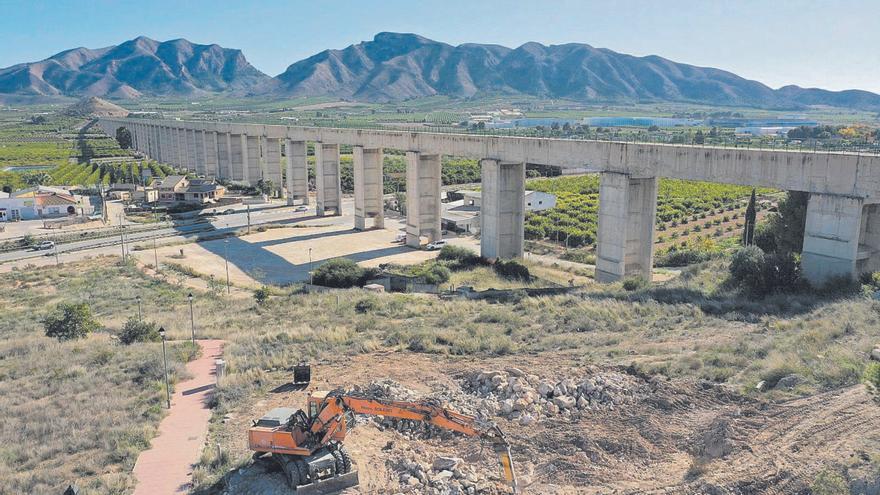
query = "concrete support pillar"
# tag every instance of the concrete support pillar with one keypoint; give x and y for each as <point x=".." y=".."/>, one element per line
<point x="240" y="158"/>
<point x="869" y="240"/>
<point x="327" y="180"/>
<point x="502" y="209"/>
<point x="254" y="160"/>
<point x="831" y="237"/>
<point x="163" y="144"/>
<point x="199" y="152"/>
<point x="224" y="155"/>
<point x="297" y="172"/>
<point x="627" y="207"/>
<point x="174" y="134"/>
<point x="191" y="151"/>
<point x="368" y="187"/>
<point x="422" y="198"/>
<point x="209" y="151"/>
<point x="272" y="163"/>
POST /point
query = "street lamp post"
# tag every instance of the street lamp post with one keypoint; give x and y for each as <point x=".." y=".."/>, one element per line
<point x="140" y="313"/>
<point x="165" y="361"/>
<point x="311" y="282"/>
<point x="226" y="259"/>
<point x="156" y="255"/>
<point x="192" y="318"/>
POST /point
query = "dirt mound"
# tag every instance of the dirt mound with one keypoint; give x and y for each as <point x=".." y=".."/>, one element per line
<point x="93" y="106"/>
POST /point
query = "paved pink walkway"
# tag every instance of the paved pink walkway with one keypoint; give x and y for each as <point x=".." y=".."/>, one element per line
<point x="166" y="468"/>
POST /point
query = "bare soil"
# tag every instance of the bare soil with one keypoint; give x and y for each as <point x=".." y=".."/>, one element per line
<point x="680" y="437"/>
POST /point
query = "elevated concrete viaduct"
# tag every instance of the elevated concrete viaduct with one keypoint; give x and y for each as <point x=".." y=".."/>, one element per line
<point x="842" y="235"/>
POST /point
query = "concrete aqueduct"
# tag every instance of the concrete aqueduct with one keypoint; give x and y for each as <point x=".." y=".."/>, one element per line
<point x="842" y="235"/>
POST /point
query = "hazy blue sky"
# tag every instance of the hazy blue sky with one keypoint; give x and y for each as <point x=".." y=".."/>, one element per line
<point x="833" y="44"/>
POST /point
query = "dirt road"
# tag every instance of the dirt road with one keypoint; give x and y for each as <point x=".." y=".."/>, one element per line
<point x="166" y="468"/>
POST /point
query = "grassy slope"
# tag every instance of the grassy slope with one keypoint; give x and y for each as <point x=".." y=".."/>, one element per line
<point x="77" y="412"/>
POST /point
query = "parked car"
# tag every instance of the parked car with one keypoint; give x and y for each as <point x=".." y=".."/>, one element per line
<point x="400" y="238"/>
<point x="228" y="211"/>
<point x="436" y="245"/>
<point x="301" y="208"/>
<point x="44" y="246"/>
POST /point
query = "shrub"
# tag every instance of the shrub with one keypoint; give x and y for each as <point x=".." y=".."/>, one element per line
<point x="458" y="258"/>
<point x="261" y="295"/>
<point x="137" y="330"/>
<point x="70" y="321"/>
<point x="635" y="283"/>
<point x="342" y="273"/>
<point x="829" y="482"/>
<point x="872" y="376"/>
<point x="435" y="273"/>
<point x="365" y="305"/>
<point x="683" y="257"/>
<point x="512" y="269"/>
<point x="746" y="263"/>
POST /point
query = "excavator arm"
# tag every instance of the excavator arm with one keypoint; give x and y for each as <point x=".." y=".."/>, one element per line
<point x="330" y="420"/>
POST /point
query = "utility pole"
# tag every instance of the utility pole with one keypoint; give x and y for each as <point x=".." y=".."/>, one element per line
<point x="311" y="282"/>
<point x="55" y="246"/>
<point x="140" y="313"/>
<point x="226" y="259"/>
<point x="249" y="219"/>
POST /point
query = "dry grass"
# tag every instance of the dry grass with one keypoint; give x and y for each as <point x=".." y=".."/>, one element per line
<point x="75" y="412"/>
<point x="689" y="328"/>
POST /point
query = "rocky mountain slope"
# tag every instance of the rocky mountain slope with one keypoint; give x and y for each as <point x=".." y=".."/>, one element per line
<point x="400" y="66"/>
<point x="396" y="66"/>
<point x="141" y="66"/>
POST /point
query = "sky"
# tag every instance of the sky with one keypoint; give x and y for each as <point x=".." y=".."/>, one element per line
<point x="831" y="44"/>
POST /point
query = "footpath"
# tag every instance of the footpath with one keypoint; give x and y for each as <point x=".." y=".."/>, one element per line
<point x="166" y="468"/>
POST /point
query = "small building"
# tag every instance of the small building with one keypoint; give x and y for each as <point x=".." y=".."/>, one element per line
<point x="42" y="202"/>
<point x="535" y="200"/>
<point x="463" y="215"/>
<point x="180" y="189"/>
<point x="133" y="192"/>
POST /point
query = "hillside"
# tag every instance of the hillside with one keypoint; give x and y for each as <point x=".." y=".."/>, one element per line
<point x="141" y="66"/>
<point x="396" y="66"/>
<point x="93" y="106"/>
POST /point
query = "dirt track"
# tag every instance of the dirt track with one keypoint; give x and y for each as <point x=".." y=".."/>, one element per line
<point x="683" y="437"/>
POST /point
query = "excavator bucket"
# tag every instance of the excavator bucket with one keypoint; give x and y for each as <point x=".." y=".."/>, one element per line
<point x="302" y="374"/>
<point x="330" y="485"/>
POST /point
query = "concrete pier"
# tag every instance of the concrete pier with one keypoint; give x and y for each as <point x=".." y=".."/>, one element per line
<point x="224" y="155"/>
<point x="238" y="156"/>
<point x="625" y="238"/>
<point x="212" y="167"/>
<point x="272" y="163"/>
<point x="502" y="209"/>
<point x="368" y="187"/>
<point x="254" y="159"/>
<point x="422" y="198"/>
<point x="297" y="172"/>
<point x="327" y="179"/>
<point x="199" y="152"/>
<point x="841" y="238"/>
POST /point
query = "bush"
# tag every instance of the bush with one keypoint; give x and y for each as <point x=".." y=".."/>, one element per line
<point x="746" y="263"/>
<point x="872" y="376"/>
<point x="435" y="273"/>
<point x="635" y="283"/>
<point x="137" y="330"/>
<point x="683" y="257"/>
<point x="365" y="305"/>
<point x="458" y="258"/>
<point x="512" y="269"/>
<point x="760" y="274"/>
<point x="342" y="273"/>
<point x="261" y="295"/>
<point x="70" y="321"/>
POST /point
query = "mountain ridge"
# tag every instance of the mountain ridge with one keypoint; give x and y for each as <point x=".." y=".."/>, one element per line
<point x="401" y="66"/>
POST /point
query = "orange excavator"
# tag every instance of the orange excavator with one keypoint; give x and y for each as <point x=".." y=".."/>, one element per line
<point x="307" y="445"/>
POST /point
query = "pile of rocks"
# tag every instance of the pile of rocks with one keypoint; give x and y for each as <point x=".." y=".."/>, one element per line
<point x="527" y="398"/>
<point x="446" y="476"/>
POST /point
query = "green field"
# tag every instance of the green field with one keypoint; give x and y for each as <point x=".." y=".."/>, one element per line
<point x="574" y="219"/>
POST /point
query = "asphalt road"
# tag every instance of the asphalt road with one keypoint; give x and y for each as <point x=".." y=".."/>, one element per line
<point x="218" y="224"/>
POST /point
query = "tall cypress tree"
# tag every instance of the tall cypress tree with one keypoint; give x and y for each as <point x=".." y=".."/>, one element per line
<point x="751" y="217"/>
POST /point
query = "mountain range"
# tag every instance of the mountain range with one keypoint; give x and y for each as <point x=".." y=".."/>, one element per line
<point x="400" y="66"/>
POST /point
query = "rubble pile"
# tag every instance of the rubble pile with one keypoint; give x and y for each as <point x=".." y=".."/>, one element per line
<point x="445" y="476"/>
<point x="527" y="398"/>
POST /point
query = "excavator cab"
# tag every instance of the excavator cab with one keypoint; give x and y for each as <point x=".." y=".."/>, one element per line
<point x="302" y="375"/>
